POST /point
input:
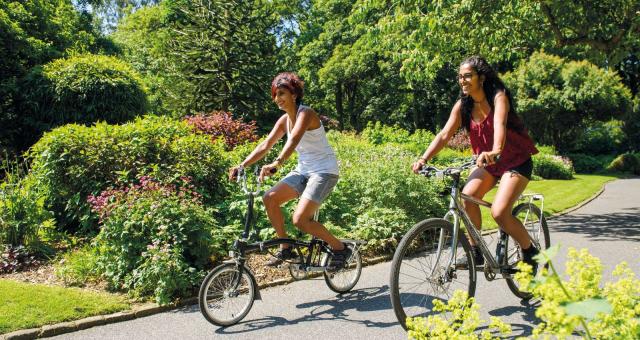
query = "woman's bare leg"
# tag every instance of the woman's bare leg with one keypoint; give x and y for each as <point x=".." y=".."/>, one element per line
<point x="273" y="200"/>
<point x="479" y="183"/>
<point x="303" y="219"/>
<point x="511" y="187"/>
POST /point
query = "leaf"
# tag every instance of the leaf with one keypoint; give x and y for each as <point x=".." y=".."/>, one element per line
<point x="589" y="308"/>
<point x="547" y="255"/>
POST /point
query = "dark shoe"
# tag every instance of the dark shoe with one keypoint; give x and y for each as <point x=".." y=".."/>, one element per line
<point x="463" y="263"/>
<point x="281" y="256"/>
<point x="527" y="257"/>
<point x="339" y="258"/>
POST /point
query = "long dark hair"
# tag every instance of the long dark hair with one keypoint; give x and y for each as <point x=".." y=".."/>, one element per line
<point x="492" y="85"/>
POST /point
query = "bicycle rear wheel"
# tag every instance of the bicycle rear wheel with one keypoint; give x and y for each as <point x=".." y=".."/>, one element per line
<point x="423" y="269"/>
<point x="227" y="294"/>
<point x="343" y="280"/>
<point x="536" y="226"/>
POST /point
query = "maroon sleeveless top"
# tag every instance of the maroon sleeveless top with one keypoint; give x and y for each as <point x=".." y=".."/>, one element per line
<point x="518" y="147"/>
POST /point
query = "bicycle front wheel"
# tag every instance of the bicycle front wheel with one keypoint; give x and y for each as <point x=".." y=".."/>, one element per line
<point x="423" y="269"/>
<point x="536" y="225"/>
<point x="227" y="294"/>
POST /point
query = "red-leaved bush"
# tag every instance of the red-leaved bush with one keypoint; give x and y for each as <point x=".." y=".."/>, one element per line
<point x="221" y="124"/>
<point x="460" y="141"/>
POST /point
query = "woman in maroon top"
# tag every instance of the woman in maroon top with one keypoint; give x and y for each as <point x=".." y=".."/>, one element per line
<point x="485" y="110"/>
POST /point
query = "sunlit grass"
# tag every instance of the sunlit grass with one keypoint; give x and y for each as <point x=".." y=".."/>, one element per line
<point x="559" y="195"/>
<point x="26" y="305"/>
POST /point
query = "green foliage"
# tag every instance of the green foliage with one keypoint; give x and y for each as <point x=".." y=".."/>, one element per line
<point x="601" y="139"/>
<point x="377" y="177"/>
<point x="381" y="227"/>
<point x="582" y="304"/>
<point x="72" y="162"/>
<point x="155" y="240"/>
<point x="627" y="162"/>
<point x="32" y="33"/>
<point x="378" y="133"/>
<point x="82" y="89"/>
<point x="222" y="51"/>
<point x="587" y="164"/>
<point x="557" y="98"/>
<point x="552" y="167"/>
<point x="579" y="305"/>
<point x="144" y="36"/>
<point x="23" y="216"/>
<point x="631" y="125"/>
<point x="78" y="267"/>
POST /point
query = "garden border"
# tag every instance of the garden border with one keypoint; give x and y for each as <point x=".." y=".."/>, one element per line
<point x="148" y="309"/>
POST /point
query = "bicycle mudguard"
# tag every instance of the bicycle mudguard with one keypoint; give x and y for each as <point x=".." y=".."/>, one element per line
<point x="253" y="278"/>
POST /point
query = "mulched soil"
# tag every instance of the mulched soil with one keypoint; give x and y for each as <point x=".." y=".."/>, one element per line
<point x="45" y="274"/>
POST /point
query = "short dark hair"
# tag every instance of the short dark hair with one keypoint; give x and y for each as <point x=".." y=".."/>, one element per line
<point x="289" y="81"/>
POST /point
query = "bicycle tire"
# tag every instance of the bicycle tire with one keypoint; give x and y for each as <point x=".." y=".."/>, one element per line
<point x="343" y="280"/>
<point x="538" y="232"/>
<point x="219" y="284"/>
<point x="418" y="250"/>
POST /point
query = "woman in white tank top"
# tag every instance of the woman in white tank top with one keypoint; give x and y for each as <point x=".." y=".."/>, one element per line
<point x="312" y="180"/>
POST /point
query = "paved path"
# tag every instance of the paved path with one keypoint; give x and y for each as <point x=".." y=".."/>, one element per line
<point x="609" y="227"/>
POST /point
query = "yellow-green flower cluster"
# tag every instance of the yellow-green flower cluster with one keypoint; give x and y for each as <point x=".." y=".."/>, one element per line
<point x="459" y="319"/>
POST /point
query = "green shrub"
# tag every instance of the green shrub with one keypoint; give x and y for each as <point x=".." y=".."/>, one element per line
<point x="599" y="138"/>
<point x="558" y="98"/>
<point x="377" y="176"/>
<point x="631" y="125"/>
<point x="382" y="227"/>
<point x="155" y="238"/>
<point x="627" y="162"/>
<point x="378" y="134"/>
<point x="77" y="267"/>
<point x="587" y="164"/>
<point x="72" y="162"/>
<point x="23" y="217"/>
<point x="547" y="150"/>
<point x="82" y="89"/>
<point x="552" y="167"/>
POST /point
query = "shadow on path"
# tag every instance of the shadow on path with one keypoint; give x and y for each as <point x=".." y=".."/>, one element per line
<point x="601" y="227"/>
<point x="362" y="300"/>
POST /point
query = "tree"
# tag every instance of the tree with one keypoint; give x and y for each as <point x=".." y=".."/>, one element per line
<point x="34" y="32"/>
<point x="557" y="98"/>
<point x="224" y="52"/>
<point x="144" y="37"/>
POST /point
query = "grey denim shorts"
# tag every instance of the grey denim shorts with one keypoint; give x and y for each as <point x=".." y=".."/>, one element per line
<point x="314" y="187"/>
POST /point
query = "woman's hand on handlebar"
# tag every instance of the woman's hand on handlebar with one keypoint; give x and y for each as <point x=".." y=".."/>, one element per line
<point x="268" y="170"/>
<point x="487" y="158"/>
<point x="417" y="165"/>
<point x="233" y="172"/>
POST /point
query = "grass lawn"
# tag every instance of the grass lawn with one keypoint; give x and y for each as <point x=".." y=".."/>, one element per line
<point x="559" y="195"/>
<point x="25" y="305"/>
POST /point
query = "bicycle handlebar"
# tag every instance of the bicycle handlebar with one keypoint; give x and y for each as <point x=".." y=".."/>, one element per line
<point x="242" y="178"/>
<point x="431" y="170"/>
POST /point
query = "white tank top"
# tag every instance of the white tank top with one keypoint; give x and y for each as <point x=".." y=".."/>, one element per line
<point x="315" y="155"/>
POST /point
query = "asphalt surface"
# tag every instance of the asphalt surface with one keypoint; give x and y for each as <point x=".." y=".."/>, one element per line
<point x="609" y="227"/>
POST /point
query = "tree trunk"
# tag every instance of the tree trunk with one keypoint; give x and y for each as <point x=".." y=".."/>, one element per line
<point x="339" y="105"/>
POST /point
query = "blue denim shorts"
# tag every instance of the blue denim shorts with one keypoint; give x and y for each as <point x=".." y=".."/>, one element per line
<point x="314" y="187"/>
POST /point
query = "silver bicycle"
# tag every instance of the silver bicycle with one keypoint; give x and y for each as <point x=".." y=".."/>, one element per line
<point x="424" y="264"/>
